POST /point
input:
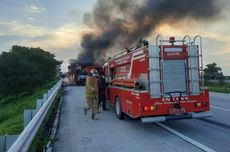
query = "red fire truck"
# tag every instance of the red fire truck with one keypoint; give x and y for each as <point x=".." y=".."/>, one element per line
<point x="158" y="82"/>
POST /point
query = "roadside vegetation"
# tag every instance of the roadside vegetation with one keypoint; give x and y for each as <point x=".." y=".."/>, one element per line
<point x="25" y="74"/>
<point x="215" y="80"/>
<point x="11" y="112"/>
<point x="23" y="69"/>
<point x="217" y="87"/>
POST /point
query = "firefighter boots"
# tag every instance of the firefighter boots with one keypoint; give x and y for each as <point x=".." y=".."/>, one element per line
<point x="94" y="117"/>
<point x="85" y="111"/>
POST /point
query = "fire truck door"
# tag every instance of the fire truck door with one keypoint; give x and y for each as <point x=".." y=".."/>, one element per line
<point x="174" y="76"/>
<point x="154" y="71"/>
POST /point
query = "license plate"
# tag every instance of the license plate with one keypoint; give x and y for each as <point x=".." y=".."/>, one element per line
<point x="177" y="111"/>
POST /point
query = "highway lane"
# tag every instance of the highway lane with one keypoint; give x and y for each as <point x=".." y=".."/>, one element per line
<point x="220" y="107"/>
<point x="211" y="135"/>
<point x="213" y="132"/>
<point x="221" y="100"/>
<point x="79" y="133"/>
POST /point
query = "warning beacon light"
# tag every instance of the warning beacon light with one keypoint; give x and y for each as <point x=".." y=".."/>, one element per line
<point x="172" y="40"/>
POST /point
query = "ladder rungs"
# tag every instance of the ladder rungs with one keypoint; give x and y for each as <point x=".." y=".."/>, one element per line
<point x="155" y="57"/>
<point x="155" y="82"/>
<point x="155" y="69"/>
<point x="196" y="80"/>
<point x="193" y="67"/>
<point x="194" y="56"/>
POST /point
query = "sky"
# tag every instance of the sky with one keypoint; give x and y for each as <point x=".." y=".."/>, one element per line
<point x="56" y="26"/>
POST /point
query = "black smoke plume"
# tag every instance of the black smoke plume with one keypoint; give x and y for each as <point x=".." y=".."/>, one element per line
<point x="116" y="21"/>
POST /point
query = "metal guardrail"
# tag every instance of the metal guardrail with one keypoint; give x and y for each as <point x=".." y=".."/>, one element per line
<point x="6" y="141"/>
<point x="25" y="139"/>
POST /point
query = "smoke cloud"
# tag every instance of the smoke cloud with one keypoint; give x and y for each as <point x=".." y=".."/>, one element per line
<point x="116" y="21"/>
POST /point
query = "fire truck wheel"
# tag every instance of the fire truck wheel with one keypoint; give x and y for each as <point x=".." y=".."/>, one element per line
<point x="120" y="114"/>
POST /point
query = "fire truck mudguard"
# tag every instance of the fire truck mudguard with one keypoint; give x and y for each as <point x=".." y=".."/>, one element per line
<point x="176" y="117"/>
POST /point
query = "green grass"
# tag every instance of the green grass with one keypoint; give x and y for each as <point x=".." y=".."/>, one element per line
<point x="216" y="87"/>
<point x="12" y="109"/>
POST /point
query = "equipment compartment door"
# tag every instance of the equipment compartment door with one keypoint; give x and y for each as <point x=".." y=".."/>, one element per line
<point x="154" y="72"/>
<point x="174" y="76"/>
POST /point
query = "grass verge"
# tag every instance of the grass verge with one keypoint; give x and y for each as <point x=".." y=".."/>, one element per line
<point x="12" y="109"/>
<point x="216" y="87"/>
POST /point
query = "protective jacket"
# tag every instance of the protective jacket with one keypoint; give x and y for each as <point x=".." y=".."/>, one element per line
<point x="91" y="87"/>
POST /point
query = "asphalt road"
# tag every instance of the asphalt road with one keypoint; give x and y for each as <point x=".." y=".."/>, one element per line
<point x="213" y="132"/>
<point x="79" y="133"/>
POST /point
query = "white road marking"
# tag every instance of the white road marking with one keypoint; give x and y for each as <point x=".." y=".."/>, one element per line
<point x="220" y="108"/>
<point x="186" y="138"/>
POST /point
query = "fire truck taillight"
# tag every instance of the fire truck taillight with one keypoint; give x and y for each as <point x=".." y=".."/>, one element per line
<point x="150" y="108"/>
<point x="146" y="108"/>
<point x="201" y="104"/>
<point x="198" y="104"/>
<point x="153" y="108"/>
<point x="205" y="104"/>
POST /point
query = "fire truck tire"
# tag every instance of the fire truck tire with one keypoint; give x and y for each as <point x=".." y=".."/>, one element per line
<point x="119" y="113"/>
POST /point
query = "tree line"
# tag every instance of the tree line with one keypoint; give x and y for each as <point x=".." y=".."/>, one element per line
<point x="24" y="68"/>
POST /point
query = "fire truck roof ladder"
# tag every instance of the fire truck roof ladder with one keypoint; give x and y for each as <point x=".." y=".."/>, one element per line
<point x="159" y="38"/>
<point x="195" y="65"/>
<point x="190" y="62"/>
<point x="200" y="54"/>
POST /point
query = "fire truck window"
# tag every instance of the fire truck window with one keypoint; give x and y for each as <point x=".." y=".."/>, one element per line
<point x="143" y="78"/>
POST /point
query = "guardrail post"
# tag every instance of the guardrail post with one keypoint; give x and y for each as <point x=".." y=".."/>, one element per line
<point x="27" y="117"/>
<point x="34" y="112"/>
<point x="39" y="104"/>
<point x="5" y="143"/>
<point x="49" y="92"/>
<point x="10" y="139"/>
<point x="45" y="97"/>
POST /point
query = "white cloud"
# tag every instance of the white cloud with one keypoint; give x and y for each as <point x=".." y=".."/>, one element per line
<point x="20" y="29"/>
<point x="62" y="37"/>
<point x="35" y="9"/>
<point x="30" y="18"/>
<point x="225" y="51"/>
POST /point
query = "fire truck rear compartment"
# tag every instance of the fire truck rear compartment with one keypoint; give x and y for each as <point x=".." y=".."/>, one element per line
<point x="174" y="76"/>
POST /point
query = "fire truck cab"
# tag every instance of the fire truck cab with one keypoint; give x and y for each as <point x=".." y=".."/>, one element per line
<point x="159" y="82"/>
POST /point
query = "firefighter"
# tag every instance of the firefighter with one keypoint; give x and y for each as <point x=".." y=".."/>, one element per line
<point x="102" y="96"/>
<point x="91" y="94"/>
